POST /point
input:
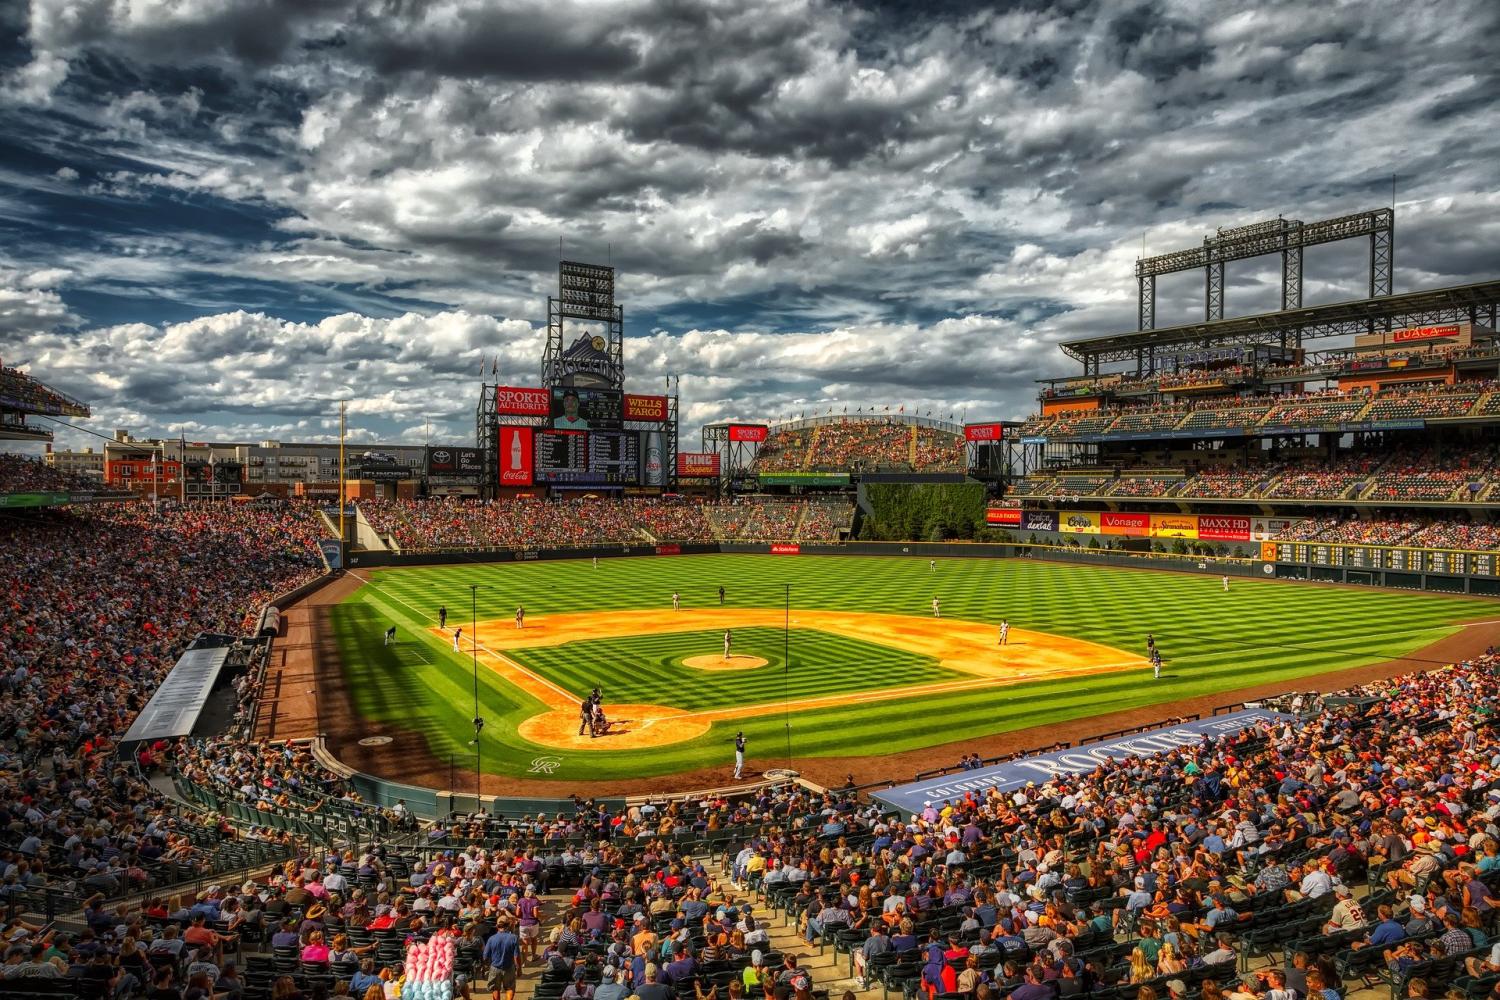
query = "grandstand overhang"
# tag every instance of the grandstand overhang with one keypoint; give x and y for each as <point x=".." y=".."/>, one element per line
<point x="1477" y="303"/>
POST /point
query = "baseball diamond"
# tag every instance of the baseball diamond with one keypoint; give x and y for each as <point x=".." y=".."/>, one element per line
<point x="848" y="670"/>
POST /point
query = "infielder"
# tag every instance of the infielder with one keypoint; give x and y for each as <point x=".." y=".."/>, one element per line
<point x="443" y="617"/>
<point x="935" y="612"/>
<point x="456" y="633"/>
<point x="676" y="602"/>
<point x="726" y="643"/>
<point x="520" y="616"/>
<point x="390" y="635"/>
<point x="739" y="750"/>
<point x="1004" y="632"/>
<point x="1155" y="665"/>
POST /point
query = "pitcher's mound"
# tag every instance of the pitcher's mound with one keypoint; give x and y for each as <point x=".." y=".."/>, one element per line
<point x="631" y="727"/>
<point x="736" y="661"/>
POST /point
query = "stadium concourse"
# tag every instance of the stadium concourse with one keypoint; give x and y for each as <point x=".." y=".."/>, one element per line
<point x="1360" y="841"/>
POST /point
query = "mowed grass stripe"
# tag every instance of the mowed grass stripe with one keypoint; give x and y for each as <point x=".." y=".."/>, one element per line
<point x="1212" y="641"/>
<point x="647" y="669"/>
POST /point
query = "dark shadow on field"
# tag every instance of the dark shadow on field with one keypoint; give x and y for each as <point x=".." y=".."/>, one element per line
<point x="389" y="691"/>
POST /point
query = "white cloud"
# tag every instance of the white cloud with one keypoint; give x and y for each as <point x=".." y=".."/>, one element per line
<point x="927" y="205"/>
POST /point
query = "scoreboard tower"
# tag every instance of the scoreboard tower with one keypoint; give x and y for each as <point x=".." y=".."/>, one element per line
<point x="579" y="431"/>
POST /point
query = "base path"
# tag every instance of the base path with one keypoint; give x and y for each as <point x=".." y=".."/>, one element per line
<point x="964" y="647"/>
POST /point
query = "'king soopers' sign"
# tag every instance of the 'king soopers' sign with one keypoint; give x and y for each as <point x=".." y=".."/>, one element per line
<point x="1079" y="760"/>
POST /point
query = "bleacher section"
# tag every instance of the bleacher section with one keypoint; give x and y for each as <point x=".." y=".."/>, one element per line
<point x="458" y="525"/>
<point x="887" y="443"/>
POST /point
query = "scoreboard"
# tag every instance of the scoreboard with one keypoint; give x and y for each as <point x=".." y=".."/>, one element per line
<point x="561" y="456"/>
<point x="615" y="458"/>
<point x="588" y="458"/>
<point x="1443" y="562"/>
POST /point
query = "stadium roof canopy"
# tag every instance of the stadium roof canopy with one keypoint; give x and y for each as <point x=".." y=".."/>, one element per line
<point x="174" y="709"/>
<point x="1477" y="303"/>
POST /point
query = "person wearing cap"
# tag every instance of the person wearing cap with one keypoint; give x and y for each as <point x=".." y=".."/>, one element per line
<point x="579" y="988"/>
<point x="653" y="988"/>
<point x="754" y="975"/>
<point x="682" y="968"/>
<point x="503" y="953"/>
<point x="610" y="987"/>
<point x="1223" y="953"/>
<point x="1420" y="920"/>
<point x="529" y="918"/>
<point x="1347" y="914"/>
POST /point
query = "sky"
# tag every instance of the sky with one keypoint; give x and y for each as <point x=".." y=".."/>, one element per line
<point x="220" y="217"/>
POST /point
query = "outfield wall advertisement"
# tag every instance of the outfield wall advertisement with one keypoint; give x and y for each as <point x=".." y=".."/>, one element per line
<point x="1137" y="524"/>
<point x="1078" y="522"/>
<point x="1114" y="523"/>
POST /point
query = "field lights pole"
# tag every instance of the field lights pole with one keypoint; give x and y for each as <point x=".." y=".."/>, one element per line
<point x="786" y="672"/>
<point x="478" y="722"/>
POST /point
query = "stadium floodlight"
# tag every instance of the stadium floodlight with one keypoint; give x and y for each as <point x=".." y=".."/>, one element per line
<point x="478" y="719"/>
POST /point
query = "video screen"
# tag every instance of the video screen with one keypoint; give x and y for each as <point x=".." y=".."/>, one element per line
<point x="586" y="409"/>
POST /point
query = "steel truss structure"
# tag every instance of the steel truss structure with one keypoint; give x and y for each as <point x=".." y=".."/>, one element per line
<point x="1287" y="237"/>
<point x="1478" y="304"/>
<point x="735" y="457"/>
<point x="586" y="292"/>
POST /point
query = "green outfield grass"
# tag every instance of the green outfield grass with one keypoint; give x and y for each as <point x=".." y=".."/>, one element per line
<point x="648" y="670"/>
<point x="1212" y="641"/>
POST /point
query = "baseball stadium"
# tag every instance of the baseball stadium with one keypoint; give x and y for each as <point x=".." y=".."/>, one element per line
<point x="1183" y="686"/>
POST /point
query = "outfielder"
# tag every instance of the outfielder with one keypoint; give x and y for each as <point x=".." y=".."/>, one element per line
<point x="676" y="601"/>
<point x="520" y="616"/>
<point x="935" y="612"/>
<point x="739" y="750"/>
<point x="1004" y="632"/>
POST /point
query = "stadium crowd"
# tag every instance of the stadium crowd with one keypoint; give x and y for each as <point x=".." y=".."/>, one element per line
<point x="1161" y="871"/>
<point x="19" y="390"/>
<point x="1311" y="409"/>
<point x="1142" y="872"/>
<point x="869" y="444"/>
<point x="101" y="602"/>
<point x="453" y="523"/>
<point x="27" y="473"/>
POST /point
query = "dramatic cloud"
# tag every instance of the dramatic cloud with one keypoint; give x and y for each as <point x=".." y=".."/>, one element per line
<point x="226" y="214"/>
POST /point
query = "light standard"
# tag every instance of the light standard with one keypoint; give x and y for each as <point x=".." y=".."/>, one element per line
<point x="478" y="720"/>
